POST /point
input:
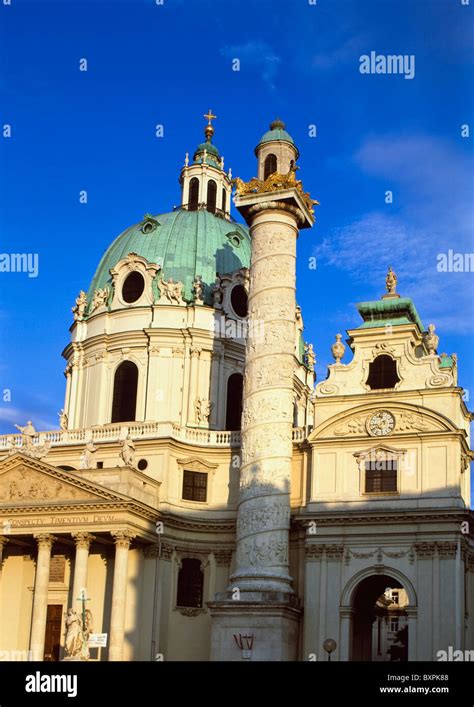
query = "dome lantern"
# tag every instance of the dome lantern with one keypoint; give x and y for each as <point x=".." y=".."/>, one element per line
<point x="204" y="184"/>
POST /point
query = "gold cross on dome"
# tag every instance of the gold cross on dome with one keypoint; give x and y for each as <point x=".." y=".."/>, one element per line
<point x="210" y="116"/>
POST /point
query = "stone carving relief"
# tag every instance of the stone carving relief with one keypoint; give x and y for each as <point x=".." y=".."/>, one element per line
<point x="80" y="307"/>
<point x="87" y="458"/>
<point x="264" y="409"/>
<point x="274" y="514"/>
<point x="223" y="557"/>
<point x="262" y="479"/>
<point x="100" y="298"/>
<point x="171" y="292"/>
<point x="202" y="409"/>
<point x="26" y="485"/>
<point x="439" y="380"/>
<point x="270" y="373"/>
<point x="258" y="552"/>
<point x="405" y="421"/>
<point x="309" y="356"/>
<point x="127" y="452"/>
<point x="328" y="389"/>
<point x="259" y="441"/>
<point x="354" y="426"/>
<point x="380" y="553"/>
<point x="198" y="290"/>
<point x="431" y="340"/>
<point x="382" y="348"/>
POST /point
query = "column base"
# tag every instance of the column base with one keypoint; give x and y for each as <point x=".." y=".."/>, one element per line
<point x="271" y="618"/>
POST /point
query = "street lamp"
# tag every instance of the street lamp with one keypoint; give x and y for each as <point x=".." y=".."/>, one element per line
<point x="329" y="646"/>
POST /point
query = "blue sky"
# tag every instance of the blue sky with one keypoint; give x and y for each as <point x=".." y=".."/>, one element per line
<point x="167" y="64"/>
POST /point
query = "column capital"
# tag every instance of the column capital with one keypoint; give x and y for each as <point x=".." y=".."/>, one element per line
<point x="44" y="540"/>
<point x="3" y="541"/>
<point x="83" y="540"/>
<point x="122" y="538"/>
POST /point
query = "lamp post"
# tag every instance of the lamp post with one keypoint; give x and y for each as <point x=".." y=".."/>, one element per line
<point x="329" y="646"/>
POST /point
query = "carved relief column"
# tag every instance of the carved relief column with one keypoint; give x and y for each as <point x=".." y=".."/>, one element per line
<point x="267" y="419"/>
<point x="40" y="598"/>
<point x="274" y="210"/>
<point x="123" y="539"/>
<point x="83" y="541"/>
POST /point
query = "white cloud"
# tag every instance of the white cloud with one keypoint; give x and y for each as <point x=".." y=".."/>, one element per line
<point x="432" y="213"/>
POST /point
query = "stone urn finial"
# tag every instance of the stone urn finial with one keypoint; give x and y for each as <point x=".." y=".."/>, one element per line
<point x="338" y="349"/>
<point x="431" y="340"/>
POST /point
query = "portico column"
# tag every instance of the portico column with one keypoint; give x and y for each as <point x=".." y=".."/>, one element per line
<point x="123" y="538"/>
<point x="83" y="541"/>
<point x="3" y="542"/>
<point x="40" y="599"/>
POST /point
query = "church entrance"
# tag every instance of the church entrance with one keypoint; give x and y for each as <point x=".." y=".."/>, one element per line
<point x="380" y="623"/>
<point x="52" y="639"/>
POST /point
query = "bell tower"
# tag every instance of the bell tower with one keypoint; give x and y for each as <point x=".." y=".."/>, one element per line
<point x="261" y="601"/>
<point x="276" y="151"/>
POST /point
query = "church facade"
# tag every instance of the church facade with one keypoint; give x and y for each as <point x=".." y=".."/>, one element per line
<point x="203" y="498"/>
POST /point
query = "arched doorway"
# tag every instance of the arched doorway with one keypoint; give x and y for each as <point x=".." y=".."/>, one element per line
<point x="380" y="620"/>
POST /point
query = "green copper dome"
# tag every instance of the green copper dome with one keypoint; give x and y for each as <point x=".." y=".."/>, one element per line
<point x="213" y="156"/>
<point x="277" y="132"/>
<point x="185" y="244"/>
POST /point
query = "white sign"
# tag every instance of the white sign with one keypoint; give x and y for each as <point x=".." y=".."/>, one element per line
<point x="97" y="640"/>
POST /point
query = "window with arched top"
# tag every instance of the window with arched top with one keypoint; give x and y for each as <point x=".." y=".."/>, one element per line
<point x="193" y="199"/>
<point x="235" y="389"/>
<point x="124" y="404"/>
<point x="383" y="373"/>
<point x="269" y="166"/>
<point x="211" y="196"/>
<point x="224" y="200"/>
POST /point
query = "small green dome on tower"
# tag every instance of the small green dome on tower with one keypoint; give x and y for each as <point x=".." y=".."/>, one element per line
<point x="213" y="156"/>
<point x="277" y="132"/>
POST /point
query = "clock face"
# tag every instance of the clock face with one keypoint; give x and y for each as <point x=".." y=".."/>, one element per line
<point x="381" y="423"/>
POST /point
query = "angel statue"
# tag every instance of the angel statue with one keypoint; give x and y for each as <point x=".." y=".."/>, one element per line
<point x="74" y="636"/>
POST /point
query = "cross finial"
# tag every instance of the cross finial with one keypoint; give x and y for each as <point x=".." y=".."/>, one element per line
<point x="209" y="116"/>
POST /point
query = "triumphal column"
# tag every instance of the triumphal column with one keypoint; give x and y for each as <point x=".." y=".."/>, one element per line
<point x="260" y="602"/>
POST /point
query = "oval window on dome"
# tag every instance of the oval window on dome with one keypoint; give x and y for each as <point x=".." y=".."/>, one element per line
<point x="132" y="288"/>
<point x="239" y="300"/>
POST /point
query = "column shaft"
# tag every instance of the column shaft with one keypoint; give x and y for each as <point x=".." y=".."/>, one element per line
<point x="119" y="594"/>
<point x="83" y="541"/>
<point x="264" y="506"/>
<point x="40" y="599"/>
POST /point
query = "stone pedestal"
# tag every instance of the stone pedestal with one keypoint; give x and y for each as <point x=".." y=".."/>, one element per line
<point x="270" y="621"/>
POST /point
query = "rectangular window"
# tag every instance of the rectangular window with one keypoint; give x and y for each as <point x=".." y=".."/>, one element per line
<point x="394" y="625"/>
<point x="194" y="486"/>
<point x="381" y="476"/>
<point x="190" y="583"/>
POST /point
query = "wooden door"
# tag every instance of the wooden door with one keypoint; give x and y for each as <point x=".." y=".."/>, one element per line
<point x="52" y="639"/>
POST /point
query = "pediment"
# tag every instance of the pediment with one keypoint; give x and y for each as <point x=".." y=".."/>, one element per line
<point x="408" y="419"/>
<point x="196" y="464"/>
<point x="25" y="480"/>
